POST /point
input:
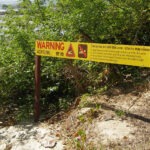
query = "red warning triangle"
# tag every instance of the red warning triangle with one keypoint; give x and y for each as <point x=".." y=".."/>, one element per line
<point x="70" y="52"/>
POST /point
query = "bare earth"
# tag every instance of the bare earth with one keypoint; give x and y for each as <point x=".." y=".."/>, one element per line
<point x="119" y="121"/>
<point x="114" y="120"/>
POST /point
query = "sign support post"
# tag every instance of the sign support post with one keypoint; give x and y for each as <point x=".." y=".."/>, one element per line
<point x="37" y="88"/>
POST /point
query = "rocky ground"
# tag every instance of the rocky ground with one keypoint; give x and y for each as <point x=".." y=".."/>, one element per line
<point x="117" y="119"/>
<point x="29" y="137"/>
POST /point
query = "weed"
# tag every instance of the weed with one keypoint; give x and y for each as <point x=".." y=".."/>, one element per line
<point x="97" y="106"/>
<point x="82" y="118"/>
<point x="84" y="102"/>
<point x="80" y="140"/>
<point x="120" y="113"/>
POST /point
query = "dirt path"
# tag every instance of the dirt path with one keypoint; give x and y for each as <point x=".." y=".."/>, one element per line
<point x="108" y="121"/>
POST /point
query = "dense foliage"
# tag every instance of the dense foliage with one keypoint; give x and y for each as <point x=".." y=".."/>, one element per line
<point x="101" y="21"/>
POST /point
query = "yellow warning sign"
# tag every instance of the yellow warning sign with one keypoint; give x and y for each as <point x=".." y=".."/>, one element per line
<point x="107" y="53"/>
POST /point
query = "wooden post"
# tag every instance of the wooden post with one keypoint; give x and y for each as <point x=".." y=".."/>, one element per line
<point x="37" y="88"/>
